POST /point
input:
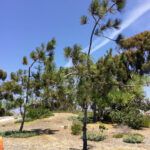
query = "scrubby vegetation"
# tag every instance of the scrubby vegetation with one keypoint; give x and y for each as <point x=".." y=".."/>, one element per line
<point x="119" y="135"/>
<point x="146" y="121"/>
<point x="38" y="113"/>
<point x="89" y="117"/>
<point x="117" y="117"/>
<point x="76" y="128"/>
<point x="130" y="137"/>
<point x="133" y="138"/>
<point x="94" y="136"/>
<point x="17" y="134"/>
<point x="132" y="118"/>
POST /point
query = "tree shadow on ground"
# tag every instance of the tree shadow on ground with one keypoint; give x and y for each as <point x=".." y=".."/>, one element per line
<point x="44" y="131"/>
<point x="27" y="133"/>
<point x="74" y="149"/>
<point x="89" y="147"/>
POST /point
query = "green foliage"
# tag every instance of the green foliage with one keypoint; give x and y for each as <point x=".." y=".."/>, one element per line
<point x="67" y="52"/>
<point x="130" y="138"/>
<point x="139" y="58"/>
<point x="8" y="113"/>
<point x="13" y="76"/>
<point x="134" y="119"/>
<point x="17" y="134"/>
<point x="2" y="112"/>
<point x="75" y="53"/>
<point x="133" y="138"/>
<point x="92" y="136"/>
<point x="51" y="45"/>
<point x="84" y="20"/>
<point x="3" y="75"/>
<point x="117" y="117"/>
<point x="120" y="4"/>
<point x="95" y="7"/>
<point x="87" y="79"/>
<point x="38" y="113"/>
<point x="113" y="82"/>
<point x="76" y="128"/>
<point x="120" y="96"/>
<point x="131" y="117"/>
<point x="146" y="121"/>
<point x="24" y="61"/>
<point x="119" y="135"/>
<point x="89" y="117"/>
<point x="33" y="55"/>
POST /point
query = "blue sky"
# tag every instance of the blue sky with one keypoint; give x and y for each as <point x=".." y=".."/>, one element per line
<point x="25" y="24"/>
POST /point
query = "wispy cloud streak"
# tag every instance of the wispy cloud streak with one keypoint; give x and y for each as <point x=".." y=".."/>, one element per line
<point x="132" y="17"/>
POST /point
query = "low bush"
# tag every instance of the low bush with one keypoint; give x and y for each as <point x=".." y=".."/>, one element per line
<point x="91" y="136"/>
<point x="146" y="121"/>
<point x="134" y="119"/>
<point x="133" y="138"/>
<point x="76" y="128"/>
<point x="17" y="134"/>
<point x="8" y="113"/>
<point x="117" y="117"/>
<point x="119" y="135"/>
<point x="107" y="117"/>
<point x="38" y="113"/>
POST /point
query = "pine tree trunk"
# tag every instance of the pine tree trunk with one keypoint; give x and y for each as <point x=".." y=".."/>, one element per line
<point x="99" y="115"/>
<point x="85" y="107"/>
<point x="85" y="128"/>
<point x="94" y="113"/>
<point x="23" y="120"/>
<point x="27" y="97"/>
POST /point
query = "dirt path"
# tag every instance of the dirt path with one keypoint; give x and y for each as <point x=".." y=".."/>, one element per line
<point x="58" y="138"/>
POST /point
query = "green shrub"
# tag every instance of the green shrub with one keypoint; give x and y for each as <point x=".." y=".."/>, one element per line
<point x="117" y="117"/>
<point x="76" y="128"/>
<point x="89" y="117"/>
<point x="37" y="113"/>
<point x="146" y="121"/>
<point x="133" y="138"/>
<point x="119" y="135"/>
<point x="134" y="119"/>
<point x="8" y="113"/>
<point x="91" y="136"/>
<point x="17" y="134"/>
<point x="106" y="117"/>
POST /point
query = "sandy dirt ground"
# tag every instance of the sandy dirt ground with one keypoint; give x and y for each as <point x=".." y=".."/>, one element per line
<point x="55" y="137"/>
